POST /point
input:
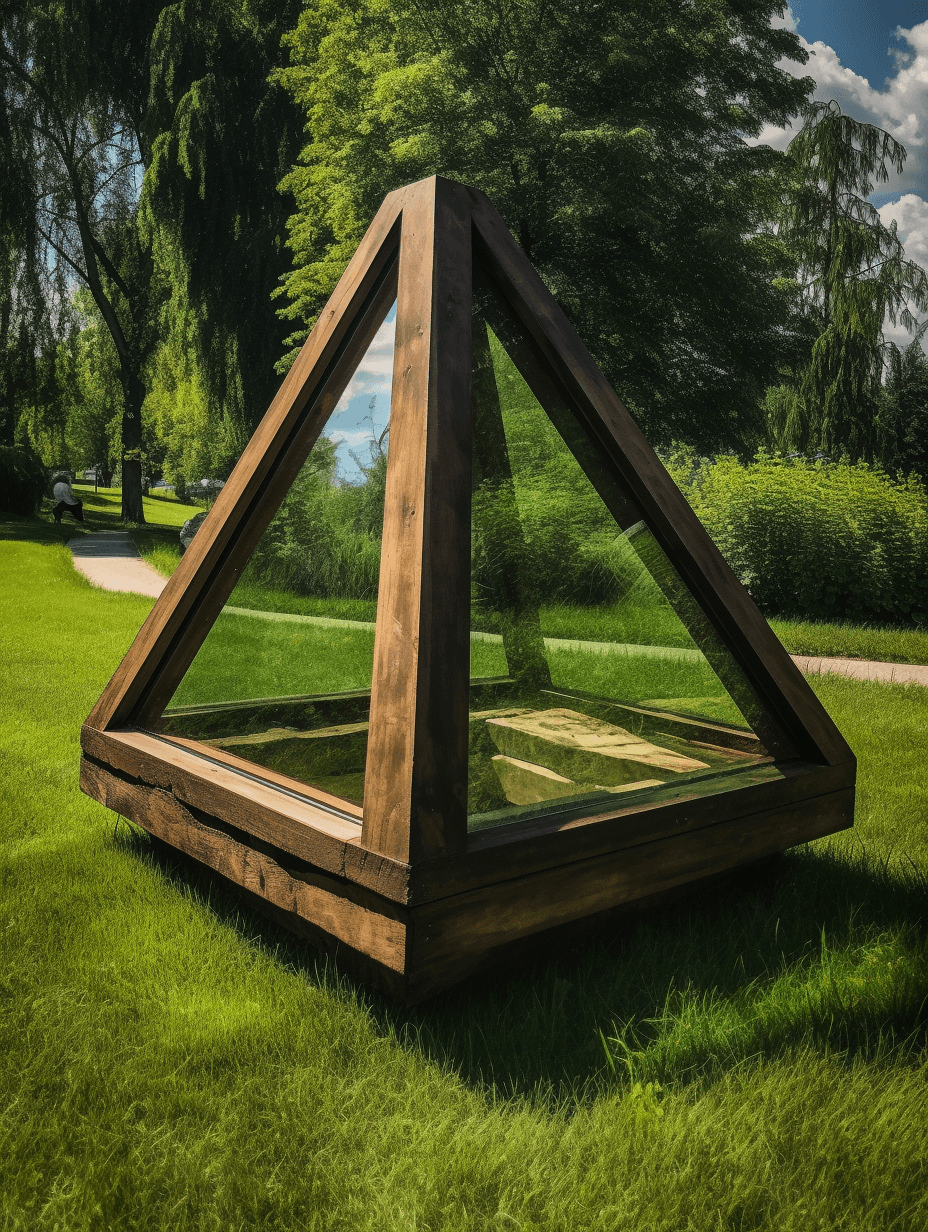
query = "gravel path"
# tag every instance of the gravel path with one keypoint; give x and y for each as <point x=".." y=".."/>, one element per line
<point x="111" y="560"/>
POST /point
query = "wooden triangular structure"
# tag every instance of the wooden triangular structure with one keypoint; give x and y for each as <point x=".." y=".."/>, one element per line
<point x="408" y="896"/>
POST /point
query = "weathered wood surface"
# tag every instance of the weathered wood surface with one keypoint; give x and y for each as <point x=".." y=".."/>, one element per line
<point x="586" y="750"/>
<point x="644" y="720"/>
<point x="337" y="804"/>
<point x="291" y="824"/>
<point x="345" y="911"/>
<point x="527" y="783"/>
<point x="431" y="946"/>
<point x="558" y="838"/>
<point x="415" y="793"/>
<point x="451" y="935"/>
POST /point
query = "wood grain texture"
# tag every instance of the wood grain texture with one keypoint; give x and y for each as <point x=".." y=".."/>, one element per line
<point x="559" y="839"/>
<point x="416" y="779"/>
<point x="450" y="935"/>
<point x="769" y="668"/>
<point x="339" y="909"/>
<point x="208" y="571"/>
<point x="292" y="825"/>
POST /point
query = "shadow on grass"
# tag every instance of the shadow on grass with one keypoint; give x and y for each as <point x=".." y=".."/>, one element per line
<point x="43" y="529"/>
<point x="818" y="949"/>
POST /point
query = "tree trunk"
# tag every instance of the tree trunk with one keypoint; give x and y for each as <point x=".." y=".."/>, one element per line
<point x="133" y="394"/>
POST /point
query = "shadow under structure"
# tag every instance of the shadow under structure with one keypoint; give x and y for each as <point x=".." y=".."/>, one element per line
<point x="561" y="701"/>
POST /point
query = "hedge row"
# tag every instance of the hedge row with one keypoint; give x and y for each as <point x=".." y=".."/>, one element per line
<point x="816" y="539"/>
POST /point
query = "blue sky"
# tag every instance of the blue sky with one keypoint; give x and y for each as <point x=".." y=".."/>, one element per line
<point x="365" y="405"/>
<point x="871" y="56"/>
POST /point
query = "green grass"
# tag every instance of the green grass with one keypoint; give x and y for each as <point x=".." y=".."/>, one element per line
<point x="608" y="623"/>
<point x="804" y="637"/>
<point x="174" y="1062"/>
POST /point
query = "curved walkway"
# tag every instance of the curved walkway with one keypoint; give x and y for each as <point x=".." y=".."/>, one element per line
<point x="110" y="560"/>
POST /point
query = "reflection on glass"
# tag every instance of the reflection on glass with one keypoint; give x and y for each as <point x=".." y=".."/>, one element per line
<point x="283" y="678"/>
<point x="594" y="672"/>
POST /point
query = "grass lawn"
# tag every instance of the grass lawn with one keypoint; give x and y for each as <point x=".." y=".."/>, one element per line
<point x="164" y="516"/>
<point x="800" y="637"/>
<point x="753" y="1059"/>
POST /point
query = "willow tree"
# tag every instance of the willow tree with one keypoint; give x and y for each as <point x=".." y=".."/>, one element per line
<point x="74" y="145"/>
<point x="853" y="277"/>
<point x="223" y="136"/>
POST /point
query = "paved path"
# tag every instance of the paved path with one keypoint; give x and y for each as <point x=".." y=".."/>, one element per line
<point x="111" y="560"/>
<point x="864" y="669"/>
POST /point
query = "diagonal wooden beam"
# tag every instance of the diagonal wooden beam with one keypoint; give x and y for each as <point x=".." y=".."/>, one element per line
<point x="194" y="596"/>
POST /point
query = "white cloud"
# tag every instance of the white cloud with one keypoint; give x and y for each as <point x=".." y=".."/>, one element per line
<point x="374" y="374"/>
<point x="901" y="108"/>
<point x="910" y="214"/>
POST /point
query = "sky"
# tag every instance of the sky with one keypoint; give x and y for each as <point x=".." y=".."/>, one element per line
<point x="871" y="56"/>
<point x="364" y="409"/>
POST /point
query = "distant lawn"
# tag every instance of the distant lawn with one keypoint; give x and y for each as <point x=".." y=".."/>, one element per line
<point x="750" y="1059"/>
<point x="603" y="623"/>
<point x="886" y="645"/>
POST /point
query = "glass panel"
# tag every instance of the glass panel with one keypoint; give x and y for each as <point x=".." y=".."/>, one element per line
<point x="283" y="677"/>
<point x="594" y="673"/>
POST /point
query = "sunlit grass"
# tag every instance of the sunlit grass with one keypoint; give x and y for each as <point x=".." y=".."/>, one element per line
<point x="752" y="1058"/>
<point x="803" y="637"/>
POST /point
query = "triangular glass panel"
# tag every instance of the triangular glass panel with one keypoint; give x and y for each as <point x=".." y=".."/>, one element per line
<point x="282" y="680"/>
<point x="594" y="674"/>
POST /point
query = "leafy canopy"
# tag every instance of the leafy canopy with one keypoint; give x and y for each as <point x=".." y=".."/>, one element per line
<point x="610" y="137"/>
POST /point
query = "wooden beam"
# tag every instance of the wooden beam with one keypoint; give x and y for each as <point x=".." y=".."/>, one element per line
<point x="208" y="571"/>
<point x="416" y="780"/>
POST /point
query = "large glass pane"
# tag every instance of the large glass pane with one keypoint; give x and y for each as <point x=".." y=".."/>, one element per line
<point x="594" y="672"/>
<point x="283" y="678"/>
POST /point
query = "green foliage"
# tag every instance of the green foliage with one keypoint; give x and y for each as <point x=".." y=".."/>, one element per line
<point x="22" y="480"/>
<point x="903" y="416"/>
<point x="611" y="139"/>
<point x="315" y="545"/>
<point x="222" y="136"/>
<point x="816" y="539"/>
<point x="853" y="274"/>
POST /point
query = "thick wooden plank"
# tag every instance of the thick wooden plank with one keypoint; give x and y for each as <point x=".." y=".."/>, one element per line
<point x="561" y="838"/>
<point x="691" y="552"/>
<point x="415" y="791"/>
<point x="287" y="823"/>
<point x="451" y="934"/>
<point x="208" y="571"/>
<point x="272" y="776"/>
<point x="645" y="721"/>
<point x="351" y="915"/>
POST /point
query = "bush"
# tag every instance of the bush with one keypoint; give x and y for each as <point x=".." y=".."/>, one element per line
<point x="817" y="539"/>
<point x="22" y="480"/>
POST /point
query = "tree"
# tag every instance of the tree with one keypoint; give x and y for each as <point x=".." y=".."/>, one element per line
<point x="611" y="137"/>
<point x="74" y="148"/>
<point x="223" y="137"/>
<point x="903" y="417"/>
<point x="853" y="275"/>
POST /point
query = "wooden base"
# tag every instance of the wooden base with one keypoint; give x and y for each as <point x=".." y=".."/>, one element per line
<point x="412" y="942"/>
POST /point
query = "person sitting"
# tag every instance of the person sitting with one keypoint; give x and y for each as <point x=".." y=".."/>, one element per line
<point x="67" y="502"/>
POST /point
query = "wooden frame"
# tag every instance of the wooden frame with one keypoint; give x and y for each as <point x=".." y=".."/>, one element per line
<point x="399" y="889"/>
